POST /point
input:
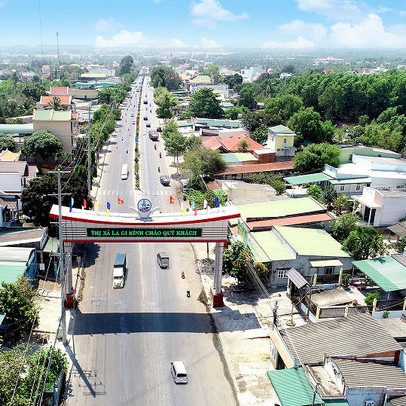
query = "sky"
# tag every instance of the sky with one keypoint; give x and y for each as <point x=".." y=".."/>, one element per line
<point x="208" y="24"/>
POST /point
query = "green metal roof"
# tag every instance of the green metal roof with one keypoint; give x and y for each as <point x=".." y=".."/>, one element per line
<point x="280" y="208"/>
<point x="311" y="242"/>
<point x="214" y="122"/>
<point x="266" y="247"/>
<point x="10" y="273"/>
<point x="16" y="128"/>
<point x="52" y="115"/>
<point x="201" y="79"/>
<point x="293" y="388"/>
<point x="281" y="129"/>
<point x="350" y="181"/>
<point x="310" y="178"/>
<point x="386" y="272"/>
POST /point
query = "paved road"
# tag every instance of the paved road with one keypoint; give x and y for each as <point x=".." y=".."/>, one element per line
<point x="124" y="339"/>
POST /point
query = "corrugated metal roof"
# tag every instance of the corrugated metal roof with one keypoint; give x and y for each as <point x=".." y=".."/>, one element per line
<point x="262" y="225"/>
<point x="336" y="402"/>
<point x="311" y="242"/>
<point x="386" y="272"/>
<point x="293" y="388"/>
<point x="19" y="167"/>
<point x="266" y="247"/>
<point x="357" y="374"/>
<point x="15" y="254"/>
<point x="350" y="181"/>
<point x="296" y="278"/>
<point x="16" y="128"/>
<point x="52" y="115"/>
<point x="11" y="273"/>
<point x="399" y="229"/>
<point x="256" y="168"/>
<point x="401" y="401"/>
<point x="310" y="178"/>
<point x="281" y="129"/>
<point x="358" y="335"/>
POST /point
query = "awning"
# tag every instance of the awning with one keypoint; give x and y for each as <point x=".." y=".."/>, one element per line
<point x="399" y="229"/>
<point x="293" y="388"/>
<point x="325" y="262"/>
<point x="296" y="278"/>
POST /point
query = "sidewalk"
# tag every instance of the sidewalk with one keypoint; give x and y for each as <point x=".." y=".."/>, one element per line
<point x="243" y="330"/>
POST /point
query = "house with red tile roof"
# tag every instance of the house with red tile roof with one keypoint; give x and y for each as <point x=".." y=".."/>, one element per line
<point x="231" y="144"/>
<point x="65" y="101"/>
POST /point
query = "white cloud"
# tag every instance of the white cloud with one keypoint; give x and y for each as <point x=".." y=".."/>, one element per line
<point x="106" y="24"/>
<point x="335" y="9"/>
<point x="209" y="43"/>
<point x="208" y="12"/>
<point x="137" y="39"/>
<point x="298" y="27"/>
<point x="299" y="43"/>
<point x="368" y="33"/>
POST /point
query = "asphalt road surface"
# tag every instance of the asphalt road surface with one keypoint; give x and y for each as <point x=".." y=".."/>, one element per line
<point x="123" y="340"/>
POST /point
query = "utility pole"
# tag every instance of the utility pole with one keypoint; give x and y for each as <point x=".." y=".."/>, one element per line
<point x="61" y="257"/>
<point x="89" y="158"/>
<point x="59" y="61"/>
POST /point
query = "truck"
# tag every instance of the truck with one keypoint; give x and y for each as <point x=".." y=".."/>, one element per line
<point x="153" y="135"/>
<point x="119" y="270"/>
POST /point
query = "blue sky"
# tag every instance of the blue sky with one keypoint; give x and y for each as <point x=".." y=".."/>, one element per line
<point x="299" y="24"/>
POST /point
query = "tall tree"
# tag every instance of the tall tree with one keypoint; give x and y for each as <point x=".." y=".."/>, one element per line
<point x="7" y="142"/>
<point x="364" y="243"/>
<point x="342" y="226"/>
<point x="165" y="103"/>
<point x="126" y="65"/>
<point x="283" y="106"/>
<point x="202" y="161"/>
<point x="204" y="103"/>
<point x="42" y="145"/>
<point x="315" y="156"/>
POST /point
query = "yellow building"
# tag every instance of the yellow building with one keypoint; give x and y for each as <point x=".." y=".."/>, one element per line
<point x="281" y="140"/>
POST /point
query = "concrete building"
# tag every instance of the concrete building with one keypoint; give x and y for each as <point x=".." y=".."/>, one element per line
<point x="249" y="74"/>
<point x="281" y="140"/>
<point x="47" y="101"/>
<point x="382" y="207"/>
<point x="60" y="123"/>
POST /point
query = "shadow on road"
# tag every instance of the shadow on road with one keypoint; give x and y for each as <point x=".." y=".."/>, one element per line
<point x="127" y="323"/>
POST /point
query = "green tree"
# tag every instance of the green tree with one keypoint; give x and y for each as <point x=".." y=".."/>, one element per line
<point x="170" y="128"/>
<point x="260" y="135"/>
<point x="236" y="261"/>
<point x="125" y="66"/>
<point x="56" y="105"/>
<point x="163" y="76"/>
<point x="42" y="145"/>
<point x="251" y="120"/>
<point x="364" y="243"/>
<point x="332" y="101"/>
<point x="233" y="113"/>
<point x="214" y="73"/>
<point x="165" y="103"/>
<point x="329" y="194"/>
<point x="246" y="98"/>
<point x="283" y="106"/>
<point x="175" y="144"/>
<point x="202" y="161"/>
<point x="315" y="192"/>
<point x="38" y="198"/>
<point x="341" y="204"/>
<point x="17" y="303"/>
<point x="243" y="146"/>
<point x="233" y="80"/>
<point x="308" y="126"/>
<point x="279" y="186"/>
<point x="7" y="142"/>
<point x="342" y="226"/>
<point x="315" y="156"/>
<point x="204" y="103"/>
<point x="369" y="300"/>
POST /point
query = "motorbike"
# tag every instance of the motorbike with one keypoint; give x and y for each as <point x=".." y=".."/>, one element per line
<point x="188" y="293"/>
<point x="182" y="275"/>
<point x="159" y="169"/>
<point x="160" y="155"/>
<point x="155" y="147"/>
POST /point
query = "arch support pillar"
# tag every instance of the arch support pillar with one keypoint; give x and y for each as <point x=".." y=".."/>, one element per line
<point x="216" y="292"/>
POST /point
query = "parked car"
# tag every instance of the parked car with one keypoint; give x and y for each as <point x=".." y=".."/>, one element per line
<point x="165" y="180"/>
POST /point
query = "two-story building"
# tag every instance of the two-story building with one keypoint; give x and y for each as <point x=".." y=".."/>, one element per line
<point x="281" y="140"/>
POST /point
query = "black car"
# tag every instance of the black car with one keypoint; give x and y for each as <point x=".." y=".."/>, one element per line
<point x="165" y="180"/>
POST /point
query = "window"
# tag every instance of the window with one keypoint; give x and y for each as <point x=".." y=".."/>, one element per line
<point x="285" y="140"/>
<point x="358" y="187"/>
<point x="329" y="270"/>
<point x="342" y="188"/>
<point x="281" y="273"/>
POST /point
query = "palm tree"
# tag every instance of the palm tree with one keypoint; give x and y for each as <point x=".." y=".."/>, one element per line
<point x="56" y="105"/>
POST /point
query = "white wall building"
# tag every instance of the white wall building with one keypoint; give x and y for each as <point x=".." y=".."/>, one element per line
<point x="382" y="207"/>
<point x="248" y="74"/>
<point x="222" y="90"/>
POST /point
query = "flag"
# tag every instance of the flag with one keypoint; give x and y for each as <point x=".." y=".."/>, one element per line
<point x="108" y="209"/>
<point x="171" y="200"/>
<point x="184" y="212"/>
<point x="204" y="203"/>
<point x="96" y="204"/>
<point x="72" y="202"/>
<point x="196" y="211"/>
<point x="217" y="202"/>
<point x="84" y="203"/>
<point x="120" y="201"/>
<point x="193" y="205"/>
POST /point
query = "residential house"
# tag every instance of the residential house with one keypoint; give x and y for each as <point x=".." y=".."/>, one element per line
<point x="202" y="123"/>
<point x="16" y="262"/>
<point x="245" y="171"/>
<point x="232" y="144"/>
<point x="281" y="141"/>
<point x="10" y="156"/>
<point x="251" y="73"/>
<point x="347" y="152"/>
<point x="60" y="123"/>
<point x="353" y="359"/>
<point x="65" y="101"/>
<point x="382" y="207"/>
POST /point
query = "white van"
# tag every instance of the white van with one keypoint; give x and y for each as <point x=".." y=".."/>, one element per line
<point x="178" y="372"/>
<point x="124" y="172"/>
